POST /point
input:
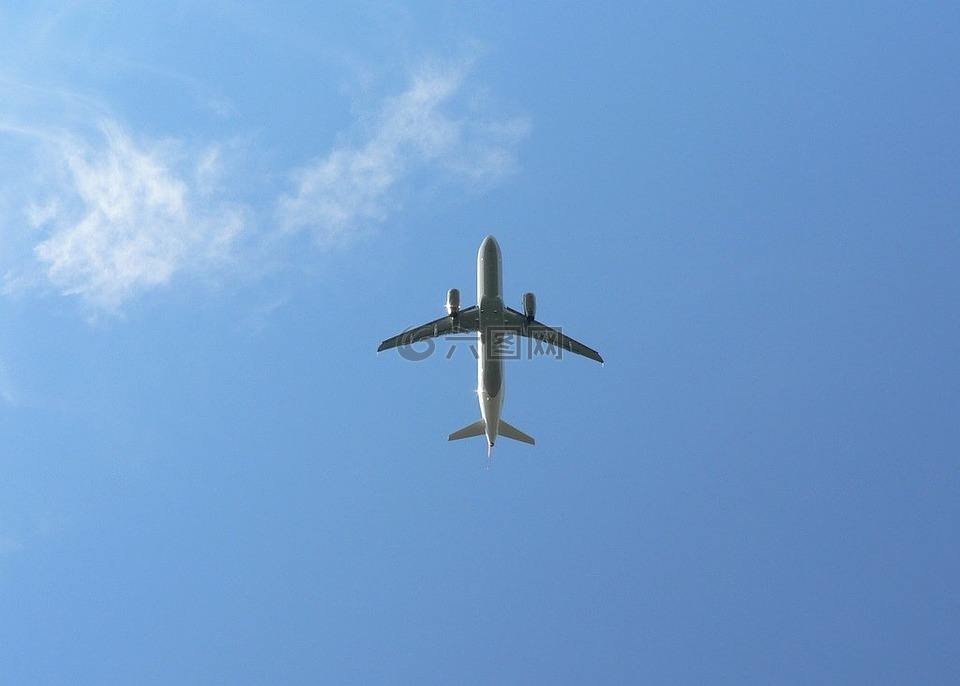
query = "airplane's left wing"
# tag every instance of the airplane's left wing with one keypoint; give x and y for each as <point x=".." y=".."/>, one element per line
<point x="542" y="332"/>
<point x="464" y="321"/>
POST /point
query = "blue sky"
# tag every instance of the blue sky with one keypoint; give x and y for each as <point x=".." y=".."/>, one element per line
<point x="211" y="214"/>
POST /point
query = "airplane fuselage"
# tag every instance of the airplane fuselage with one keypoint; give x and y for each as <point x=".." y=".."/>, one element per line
<point x="490" y="368"/>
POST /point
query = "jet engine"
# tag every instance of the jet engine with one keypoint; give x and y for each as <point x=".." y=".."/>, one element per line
<point x="453" y="301"/>
<point x="530" y="306"/>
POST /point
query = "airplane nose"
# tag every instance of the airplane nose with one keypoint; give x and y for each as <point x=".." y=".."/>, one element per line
<point x="490" y="247"/>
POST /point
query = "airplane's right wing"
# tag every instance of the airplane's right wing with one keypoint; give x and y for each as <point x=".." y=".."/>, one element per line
<point x="465" y="321"/>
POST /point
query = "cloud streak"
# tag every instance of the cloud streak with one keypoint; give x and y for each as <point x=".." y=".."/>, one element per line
<point x="111" y="215"/>
<point x="125" y="216"/>
<point x="355" y="187"/>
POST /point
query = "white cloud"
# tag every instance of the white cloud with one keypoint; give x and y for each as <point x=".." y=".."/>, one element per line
<point x="107" y="215"/>
<point x="126" y="216"/>
<point x="354" y="186"/>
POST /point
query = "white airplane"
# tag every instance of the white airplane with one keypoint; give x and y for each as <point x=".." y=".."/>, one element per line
<point x="494" y="322"/>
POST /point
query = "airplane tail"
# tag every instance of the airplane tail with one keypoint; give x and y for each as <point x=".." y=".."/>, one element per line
<point x="478" y="428"/>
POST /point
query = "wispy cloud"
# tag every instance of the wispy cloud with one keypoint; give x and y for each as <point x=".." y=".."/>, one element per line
<point x="125" y="215"/>
<point x="354" y="187"/>
<point x="108" y="214"/>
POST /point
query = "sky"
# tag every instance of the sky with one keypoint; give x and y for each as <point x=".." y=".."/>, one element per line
<point x="212" y="213"/>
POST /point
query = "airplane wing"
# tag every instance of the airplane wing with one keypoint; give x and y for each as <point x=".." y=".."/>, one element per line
<point x="542" y="332"/>
<point x="464" y="321"/>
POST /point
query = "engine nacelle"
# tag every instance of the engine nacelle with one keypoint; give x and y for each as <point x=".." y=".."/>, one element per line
<point x="530" y="306"/>
<point x="453" y="301"/>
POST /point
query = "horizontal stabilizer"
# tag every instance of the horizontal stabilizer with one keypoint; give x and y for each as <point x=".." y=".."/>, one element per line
<point x="475" y="429"/>
<point x="514" y="433"/>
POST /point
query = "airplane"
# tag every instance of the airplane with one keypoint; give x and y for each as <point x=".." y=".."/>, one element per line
<point x="493" y="321"/>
